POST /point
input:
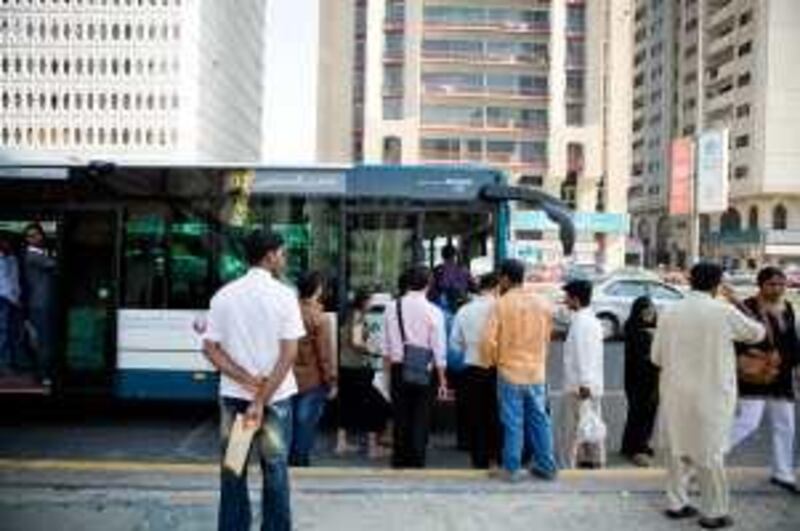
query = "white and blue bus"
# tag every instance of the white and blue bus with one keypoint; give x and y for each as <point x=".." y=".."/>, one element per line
<point x="141" y="248"/>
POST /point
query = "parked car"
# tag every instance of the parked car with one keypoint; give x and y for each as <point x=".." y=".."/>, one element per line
<point x="613" y="297"/>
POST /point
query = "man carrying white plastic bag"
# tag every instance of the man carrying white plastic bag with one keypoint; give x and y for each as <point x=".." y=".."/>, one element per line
<point x="582" y="427"/>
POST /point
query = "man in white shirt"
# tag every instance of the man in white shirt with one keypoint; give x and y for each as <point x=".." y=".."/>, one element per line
<point x="694" y="348"/>
<point x="480" y="387"/>
<point x="583" y="372"/>
<point x="251" y="337"/>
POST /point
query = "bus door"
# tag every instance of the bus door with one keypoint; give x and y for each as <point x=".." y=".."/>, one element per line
<point x="380" y="244"/>
<point x="88" y="277"/>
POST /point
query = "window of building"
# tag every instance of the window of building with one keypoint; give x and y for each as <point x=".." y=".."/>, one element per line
<point x="745" y="48"/>
<point x="392" y="108"/>
<point x="569" y="189"/>
<point x="752" y="218"/>
<point x="780" y="218"/>
<point x="90" y="101"/>
<point x="741" y="172"/>
<point x="126" y="101"/>
<point x="101" y="136"/>
<point x="115" y="32"/>
<point x="742" y="141"/>
<point x="576" y="18"/>
<point x="731" y="221"/>
<point x="137" y="136"/>
<point x="746" y="17"/>
<point x="101" y="101"/>
<point x="103" y="31"/>
<point x="53" y="136"/>
<point x="148" y="137"/>
<point x="115" y="66"/>
<point x="90" y="135"/>
<point x="744" y="79"/>
<point x="65" y="102"/>
<point x="151" y="102"/>
<point x="743" y="110"/>
<point x="78" y="101"/>
<point x="575" y="114"/>
<point x="126" y="136"/>
<point x="114" y="101"/>
<point x="128" y="32"/>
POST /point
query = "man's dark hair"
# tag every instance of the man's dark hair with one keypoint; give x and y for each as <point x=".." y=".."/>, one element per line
<point x="308" y="284"/>
<point x="418" y="278"/>
<point x="705" y="276"/>
<point x="260" y="242"/>
<point x="448" y="253"/>
<point x="768" y="273"/>
<point x="487" y="281"/>
<point x="581" y="290"/>
<point x="34" y="226"/>
<point x="513" y="270"/>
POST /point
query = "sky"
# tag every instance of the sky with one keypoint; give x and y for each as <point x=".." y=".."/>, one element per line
<point x="291" y="79"/>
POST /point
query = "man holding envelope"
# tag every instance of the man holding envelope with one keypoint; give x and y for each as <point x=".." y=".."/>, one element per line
<point x="251" y="335"/>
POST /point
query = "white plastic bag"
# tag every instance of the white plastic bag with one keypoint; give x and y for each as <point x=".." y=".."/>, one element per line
<point x="591" y="428"/>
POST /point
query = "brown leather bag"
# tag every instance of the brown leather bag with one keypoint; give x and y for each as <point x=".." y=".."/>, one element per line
<point x="759" y="366"/>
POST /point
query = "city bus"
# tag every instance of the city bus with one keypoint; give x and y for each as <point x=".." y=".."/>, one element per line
<point x="141" y="248"/>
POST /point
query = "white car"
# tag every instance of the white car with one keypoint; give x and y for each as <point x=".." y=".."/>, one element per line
<point x="613" y="298"/>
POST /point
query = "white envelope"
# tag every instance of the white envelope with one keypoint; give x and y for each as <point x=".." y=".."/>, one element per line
<point x="241" y="438"/>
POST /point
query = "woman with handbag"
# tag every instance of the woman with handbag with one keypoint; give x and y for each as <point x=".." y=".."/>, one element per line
<point x="362" y="408"/>
<point x="765" y="374"/>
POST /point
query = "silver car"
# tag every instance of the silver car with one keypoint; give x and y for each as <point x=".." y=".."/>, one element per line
<point x="613" y="298"/>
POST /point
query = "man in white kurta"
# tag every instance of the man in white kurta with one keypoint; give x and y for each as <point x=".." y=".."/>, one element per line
<point x="693" y="346"/>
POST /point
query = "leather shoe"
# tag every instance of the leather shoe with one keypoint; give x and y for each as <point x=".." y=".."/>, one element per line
<point x="715" y="523"/>
<point x="785" y="485"/>
<point x="687" y="511"/>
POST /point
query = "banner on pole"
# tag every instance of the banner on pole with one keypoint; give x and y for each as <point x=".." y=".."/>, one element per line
<point x="680" y="185"/>
<point x="712" y="171"/>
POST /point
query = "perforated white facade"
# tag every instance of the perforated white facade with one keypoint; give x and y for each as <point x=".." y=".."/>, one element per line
<point x="132" y="79"/>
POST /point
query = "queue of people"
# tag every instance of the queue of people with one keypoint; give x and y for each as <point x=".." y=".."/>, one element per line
<point x="699" y="376"/>
<point x="27" y="304"/>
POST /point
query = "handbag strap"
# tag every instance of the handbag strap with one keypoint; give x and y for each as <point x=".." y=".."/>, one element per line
<point x="400" y="320"/>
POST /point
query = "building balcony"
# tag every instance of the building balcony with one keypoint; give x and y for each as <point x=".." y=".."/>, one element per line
<point x="394" y="25"/>
<point x="756" y="237"/>
<point x="719" y="10"/>
<point x="480" y="59"/>
<point x="722" y="42"/>
<point x="449" y="91"/>
<point x="513" y="28"/>
<point x="526" y="130"/>
<point x="449" y="159"/>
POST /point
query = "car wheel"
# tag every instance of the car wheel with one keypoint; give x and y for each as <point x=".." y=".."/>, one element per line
<point x="610" y="326"/>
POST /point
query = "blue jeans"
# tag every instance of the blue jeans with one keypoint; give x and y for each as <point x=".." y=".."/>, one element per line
<point x="525" y="420"/>
<point x="307" y="408"/>
<point x="271" y="445"/>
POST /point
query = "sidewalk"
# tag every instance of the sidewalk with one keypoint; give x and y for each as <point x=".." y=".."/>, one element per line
<point x="137" y="495"/>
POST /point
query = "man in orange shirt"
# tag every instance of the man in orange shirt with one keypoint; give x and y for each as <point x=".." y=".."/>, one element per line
<point x="516" y="341"/>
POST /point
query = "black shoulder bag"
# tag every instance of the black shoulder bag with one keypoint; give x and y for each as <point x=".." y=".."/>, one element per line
<point x="416" y="360"/>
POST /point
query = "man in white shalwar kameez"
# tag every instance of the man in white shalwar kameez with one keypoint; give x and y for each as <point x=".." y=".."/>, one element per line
<point x="693" y="346"/>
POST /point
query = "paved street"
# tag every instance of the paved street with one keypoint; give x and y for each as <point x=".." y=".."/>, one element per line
<point x="126" y="497"/>
<point x="95" y="429"/>
<point x="103" y="465"/>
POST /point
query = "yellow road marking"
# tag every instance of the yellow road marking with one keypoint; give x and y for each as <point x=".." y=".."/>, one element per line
<point x="70" y="465"/>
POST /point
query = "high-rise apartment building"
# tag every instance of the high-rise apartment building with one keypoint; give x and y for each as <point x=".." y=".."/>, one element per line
<point x="132" y="79"/>
<point x="652" y="126"/>
<point x="538" y="88"/>
<point x="731" y="69"/>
